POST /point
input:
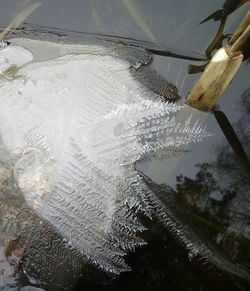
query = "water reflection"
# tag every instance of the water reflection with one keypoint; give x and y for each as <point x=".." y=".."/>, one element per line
<point x="217" y="198"/>
<point x="215" y="190"/>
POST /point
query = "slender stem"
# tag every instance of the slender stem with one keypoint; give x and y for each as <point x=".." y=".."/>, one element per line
<point x="241" y="41"/>
<point x="243" y="26"/>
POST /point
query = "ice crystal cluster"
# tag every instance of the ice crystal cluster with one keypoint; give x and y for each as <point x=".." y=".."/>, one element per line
<point x="73" y="128"/>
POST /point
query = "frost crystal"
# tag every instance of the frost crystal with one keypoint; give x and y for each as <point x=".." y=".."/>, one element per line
<point x="75" y="126"/>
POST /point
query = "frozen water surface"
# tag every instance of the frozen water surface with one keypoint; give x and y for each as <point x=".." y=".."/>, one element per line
<point x="74" y="120"/>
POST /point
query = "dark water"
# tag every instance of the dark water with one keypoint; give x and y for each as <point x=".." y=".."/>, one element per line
<point x="209" y="178"/>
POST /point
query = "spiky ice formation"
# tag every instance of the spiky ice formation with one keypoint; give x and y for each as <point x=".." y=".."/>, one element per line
<point x="75" y="127"/>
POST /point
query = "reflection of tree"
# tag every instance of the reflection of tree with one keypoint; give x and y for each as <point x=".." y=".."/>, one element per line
<point x="233" y="175"/>
<point x="204" y="194"/>
<point x="220" y="192"/>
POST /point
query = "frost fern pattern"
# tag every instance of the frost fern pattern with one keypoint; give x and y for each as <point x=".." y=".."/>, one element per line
<point x="82" y="121"/>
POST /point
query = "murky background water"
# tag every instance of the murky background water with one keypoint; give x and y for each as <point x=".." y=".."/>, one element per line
<point x="208" y="177"/>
